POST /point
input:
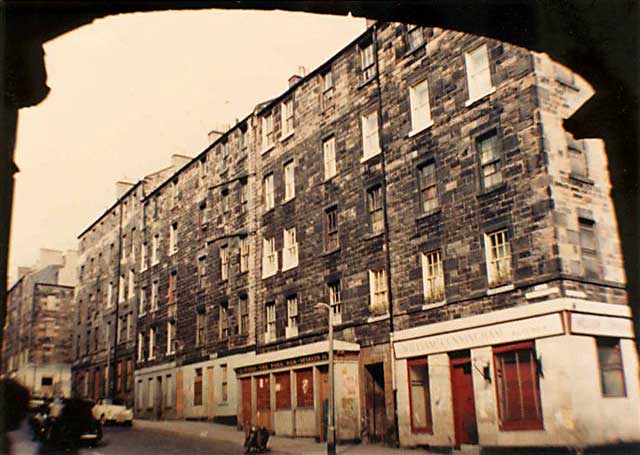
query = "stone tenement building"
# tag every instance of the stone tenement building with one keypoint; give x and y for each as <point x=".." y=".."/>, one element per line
<point x="36" y="348"/>
<point x="421" y="184"/>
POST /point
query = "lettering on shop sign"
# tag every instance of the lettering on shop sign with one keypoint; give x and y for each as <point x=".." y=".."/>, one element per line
<point x="525" y="329"/>
<point x="282" y="364"/>
<point x="589" y="324"/>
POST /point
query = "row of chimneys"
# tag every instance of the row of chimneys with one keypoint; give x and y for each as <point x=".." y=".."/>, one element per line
<point x="220" y="129"/>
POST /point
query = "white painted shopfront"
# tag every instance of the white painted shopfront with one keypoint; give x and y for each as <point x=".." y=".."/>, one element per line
<point x="286" y="391"/>
<point x="556" y="373"/>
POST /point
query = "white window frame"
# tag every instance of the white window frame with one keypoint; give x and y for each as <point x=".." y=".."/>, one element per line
<point x="420" y="107"/>
<point x="131" y="283"/>
<point x="379" y="294"/>
<point x="143" y="257"/>
<point x="173" y="238"/>
<point x="244" y="254"/>
<point x="432" y="276"/>
<point x="122" y="290"/>
<point x="370" y="138"/>
<point x="329" y="157"/>
<point x="171" y="335"/>
<point x="290" y="249"/>
<point x="289" y="181"/>
<point x="268" y="140"/>
<point x="287" y="117"/>
<point x="110" y="294"/>
<point x="292" y="316"/>
<point x="367" y="62"/>
<point x="269" y="197"/>
<point x="155" y="250"/>
<point x="142" y="304"/>
<point x="154" y="295"/>
<point x="269" y="257"/>
<point x="271" y="333"/>
<point x="478" y="71"/>
<point x="224" y="262"/>
<point x="152" y="343"/>
<point x="497" y="248"/>
<point x="140" y="347"/>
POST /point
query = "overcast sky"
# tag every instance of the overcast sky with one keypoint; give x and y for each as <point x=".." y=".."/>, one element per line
<point x="128" y="91"/>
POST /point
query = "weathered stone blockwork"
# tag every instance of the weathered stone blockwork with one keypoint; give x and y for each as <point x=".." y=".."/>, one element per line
<point x="246" y="337"/>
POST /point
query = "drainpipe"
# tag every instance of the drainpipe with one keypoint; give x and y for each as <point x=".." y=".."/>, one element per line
<point x="110" y="362"/>
<point x="386" y="235"/>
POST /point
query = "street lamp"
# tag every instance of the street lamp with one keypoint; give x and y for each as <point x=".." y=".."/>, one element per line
<point x="331" y="430"/>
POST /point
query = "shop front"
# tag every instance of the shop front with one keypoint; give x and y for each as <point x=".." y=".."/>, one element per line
<point x="287" y="391"/>
<point x="554" y="373"/>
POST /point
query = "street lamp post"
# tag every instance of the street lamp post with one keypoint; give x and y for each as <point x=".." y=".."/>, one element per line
<point x="331" y="430"/>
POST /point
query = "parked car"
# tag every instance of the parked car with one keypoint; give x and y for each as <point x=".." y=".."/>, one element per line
<point x="108" y="410"/>
<point x="66" y="423"/>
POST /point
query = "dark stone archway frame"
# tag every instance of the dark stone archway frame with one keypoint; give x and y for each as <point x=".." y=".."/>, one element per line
<point x="598" y="39"/>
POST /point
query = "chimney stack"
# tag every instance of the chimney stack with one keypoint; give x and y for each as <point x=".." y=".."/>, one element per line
<point x="122" y="187"/>
<point x="301" y="73"/>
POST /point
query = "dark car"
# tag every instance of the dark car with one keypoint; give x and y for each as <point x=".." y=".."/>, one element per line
<point x="68" y="423"/>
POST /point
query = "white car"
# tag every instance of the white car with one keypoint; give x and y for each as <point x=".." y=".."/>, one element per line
<point x="107" y="410"/>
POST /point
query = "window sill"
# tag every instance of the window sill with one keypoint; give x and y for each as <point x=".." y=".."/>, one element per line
<point x="432" y="305"/>
<point x="581" y="179"/>
<point x="428" y="214"/>
<point x="373" y="235"/>
<point x="330" y="252"/>
<point x="382" y="317"/>
<point x="289" y="267"/>
<point x="424" y="128"/>
<point x="366" y="82"/>
<point x="500" y="289"/>
<point x="270" y="209"/>
<point x="364" y="159"/>
<point x="329" y="178"/>
<point x="155" y="263"/>
<point x="493" y="189"/>
<point x="410" y="52"/>
<point x="143" y="269"/>
<point x="286" y="201"/>
<point x="265" y="150"/>
<point x="286" y="136"/>
<point x="471" y="102"/>
<point x="264" y="277"/>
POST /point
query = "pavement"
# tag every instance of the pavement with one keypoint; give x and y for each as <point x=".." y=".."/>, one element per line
<point x="277" y="444"/>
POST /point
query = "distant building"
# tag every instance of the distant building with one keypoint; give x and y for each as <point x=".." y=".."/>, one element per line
<point x="421" y="184"/>
<point x="37" y="336"/>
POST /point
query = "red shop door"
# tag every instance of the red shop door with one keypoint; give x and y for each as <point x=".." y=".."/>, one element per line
<point x="464" y="407"/>
<point x="263" y="402"/>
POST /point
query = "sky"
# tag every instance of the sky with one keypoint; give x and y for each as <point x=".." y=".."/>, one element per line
<point x="129" y="91"/>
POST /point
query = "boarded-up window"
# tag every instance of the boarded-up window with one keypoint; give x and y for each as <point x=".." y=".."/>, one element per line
<point x="304" y="388"/>
<point x="518" y="388"/>
<point x="263" y="392"/>
<point x="283" y="390"/>
<point x="197" y="388"/>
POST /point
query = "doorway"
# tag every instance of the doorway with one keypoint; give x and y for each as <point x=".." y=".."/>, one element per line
<point x="246" y="404"/>
<point x="376" y="415"/>
<point x="464" y="407"/>
<point x="158" y="400"/>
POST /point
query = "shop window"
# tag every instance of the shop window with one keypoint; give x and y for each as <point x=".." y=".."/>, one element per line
<point x="419" y="396"/>
<point x="197" y="388"/>
<point x="263" y="393"/>
<point x="283" y="390"/>
<point x="304" y="388"/>
<point x="518" y="390"/>
<point x="611" y="370"/>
